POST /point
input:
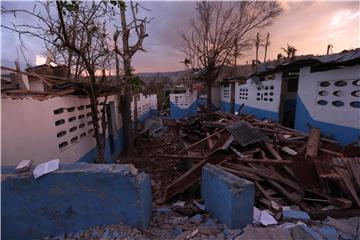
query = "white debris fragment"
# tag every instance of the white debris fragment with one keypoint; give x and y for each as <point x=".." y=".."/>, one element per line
<point x="263" y="217"/>
<point x="289" y="151"/>
<point x="200" y="206"/>
<point x="23" y="166"/>
<point x="45" y="168"/>
<point x="179" y="204"/>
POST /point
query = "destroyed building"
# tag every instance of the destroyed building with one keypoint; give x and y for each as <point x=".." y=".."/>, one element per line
<point x="60" y="119"/>
<point x="321" y="91"/>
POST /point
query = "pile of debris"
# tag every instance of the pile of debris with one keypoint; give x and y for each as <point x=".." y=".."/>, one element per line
<point x="288" y="167"/>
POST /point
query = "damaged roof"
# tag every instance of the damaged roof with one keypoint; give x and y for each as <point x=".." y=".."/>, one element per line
<point x="345" y="58"/>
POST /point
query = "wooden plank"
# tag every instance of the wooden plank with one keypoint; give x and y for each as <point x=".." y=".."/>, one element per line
<point x="313" y="143"/>
<point x="200" y="141"/>
<point x="348" y="183"/>
<point x="271" y="149"/>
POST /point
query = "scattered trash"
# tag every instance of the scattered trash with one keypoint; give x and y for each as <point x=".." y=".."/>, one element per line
<point x="23" y="166"/>
<point x="45" y="168"/>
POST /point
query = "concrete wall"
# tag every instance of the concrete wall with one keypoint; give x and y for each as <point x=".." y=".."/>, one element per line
<point x="334" y="109"/>
<point x="183" y="104"/>
<point x="227" y="197"/>
<point x="77" y="196"/>
<point x="225" y="98"/>
<point x="30" y="130"/>
<point x="146" y="104"/>
<point x="262" y="99"/>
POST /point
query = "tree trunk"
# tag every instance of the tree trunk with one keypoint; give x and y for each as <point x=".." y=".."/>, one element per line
<point x="99" y="138"/>
<point x="127" y="123"/>
<point x="209" y="97"/>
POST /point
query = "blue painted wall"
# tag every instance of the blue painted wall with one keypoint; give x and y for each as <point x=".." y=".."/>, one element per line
<point x="259" y="113"/>
<point x="77" y="196"/>
<point x="178" y="113"/>
<point x="227" y="197"/>
<point x="225" y="106"/>
<point x="343" y="134"/>
<point x="109" y="158"/>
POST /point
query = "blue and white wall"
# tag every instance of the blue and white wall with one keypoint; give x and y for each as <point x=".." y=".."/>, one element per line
<point x="146" y="105"/>
<point x="225" y="97"/>
<point x="183" y="104"/>
<point x="261" y="100"/>
<point x="330" y="100"/>
<point x="59" y="127"/>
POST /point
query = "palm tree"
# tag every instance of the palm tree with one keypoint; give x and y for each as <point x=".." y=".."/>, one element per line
<point x="290" y="51"/>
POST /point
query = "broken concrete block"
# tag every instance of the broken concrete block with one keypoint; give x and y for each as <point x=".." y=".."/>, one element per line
<point x="227" y="197"/>
<point x="23" y="166"/>
<point x="289" y="214"/>
<point x="329" y="233"/>
<point x="75" y="197"/>
<point x="197" y="219"/>
<point x="45" y="168"/>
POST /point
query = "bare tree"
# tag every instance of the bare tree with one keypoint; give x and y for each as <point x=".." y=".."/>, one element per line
<point x="75" y="34"/>
<point x="137" y="27"/>
<point x="218" y="28"/>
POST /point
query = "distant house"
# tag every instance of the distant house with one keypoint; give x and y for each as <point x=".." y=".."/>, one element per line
<point x="41" y="124"/>
<point x="320" y="91"/>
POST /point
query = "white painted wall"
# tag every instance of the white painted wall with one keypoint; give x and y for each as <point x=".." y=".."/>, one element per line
<point x="183" y="100"/>
<point x="309" y="89"/>
<point x="29" y="130"/>
<point x="216" y="96"/>
<point x="225" y="93"/>
<point x="153" y="101"/>
<point x="144" y="104"/>
<point x="264" y="95"/>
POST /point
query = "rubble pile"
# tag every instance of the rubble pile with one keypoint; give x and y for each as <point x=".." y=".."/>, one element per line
<point x="187" y="220"/>
<point x="288" y="167"/>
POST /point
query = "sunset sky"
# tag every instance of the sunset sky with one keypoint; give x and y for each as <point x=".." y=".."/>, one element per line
<point x="309" y="26"/>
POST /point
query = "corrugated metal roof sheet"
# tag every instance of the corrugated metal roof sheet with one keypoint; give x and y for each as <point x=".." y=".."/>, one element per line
<point x="342" y="57"/>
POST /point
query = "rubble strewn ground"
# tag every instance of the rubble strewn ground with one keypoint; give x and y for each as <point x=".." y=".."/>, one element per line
<point x="177" y="222"/>
<point x="301" y="181"/>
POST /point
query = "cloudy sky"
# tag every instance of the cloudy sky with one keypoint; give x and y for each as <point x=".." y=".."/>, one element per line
<point x="309" y="26"/>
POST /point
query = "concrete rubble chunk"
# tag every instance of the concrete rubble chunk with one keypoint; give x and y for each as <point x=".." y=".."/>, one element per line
<point x="23" y="166"/>
<point x="349" y="226"/>
<point x="269" y="233"/>
<point x="303" y="232"/>
<point x="45" y="168"/>
<point x="197" y="219"/>
<point x="290" y="214"/>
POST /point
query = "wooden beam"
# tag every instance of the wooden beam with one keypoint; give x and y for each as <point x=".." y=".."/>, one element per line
<point x="313" y="143"/>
